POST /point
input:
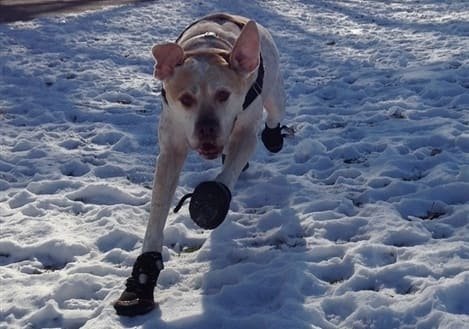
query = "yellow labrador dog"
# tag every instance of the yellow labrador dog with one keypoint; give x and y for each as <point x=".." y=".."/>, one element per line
<point x="217" y="78"/>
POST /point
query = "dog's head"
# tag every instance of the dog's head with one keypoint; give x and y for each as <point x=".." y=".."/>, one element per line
<point x="206" y="88"/>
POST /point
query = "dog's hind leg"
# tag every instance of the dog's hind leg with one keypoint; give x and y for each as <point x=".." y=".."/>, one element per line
<point x="274" y="105"/>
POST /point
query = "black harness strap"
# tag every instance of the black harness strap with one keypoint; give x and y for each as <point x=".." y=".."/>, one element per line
<point x="163" y="95"/>
<point x="256" y="88"/>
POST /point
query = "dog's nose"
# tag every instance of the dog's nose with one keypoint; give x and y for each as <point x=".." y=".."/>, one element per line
<point x="207" y="128"/>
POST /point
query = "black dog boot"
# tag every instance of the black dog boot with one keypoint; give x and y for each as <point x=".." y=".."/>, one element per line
<point x="209" y="204"/>
<point x="273" y="138"/>
<point x="137" y="298"/>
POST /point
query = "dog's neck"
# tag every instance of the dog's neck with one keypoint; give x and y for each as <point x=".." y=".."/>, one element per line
<point x="206" y="40"/>
<point x="217" y="31"/>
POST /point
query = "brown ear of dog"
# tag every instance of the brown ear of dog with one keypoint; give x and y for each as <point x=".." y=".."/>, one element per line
<point x="167" y="57"/>
<point x="246" y="51"/>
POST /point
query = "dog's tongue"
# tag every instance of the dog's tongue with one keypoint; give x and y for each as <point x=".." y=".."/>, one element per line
<point x="209" y="151"/>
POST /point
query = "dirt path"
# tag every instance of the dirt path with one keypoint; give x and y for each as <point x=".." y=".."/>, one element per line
<point x="23" y="10"/>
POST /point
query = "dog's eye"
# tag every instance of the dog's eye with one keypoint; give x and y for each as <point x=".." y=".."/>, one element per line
<point x="222" y="96"/>
<point x="187" y="100"/>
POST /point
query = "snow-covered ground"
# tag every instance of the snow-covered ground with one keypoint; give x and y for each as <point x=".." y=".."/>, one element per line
<point x="362" y="221"/>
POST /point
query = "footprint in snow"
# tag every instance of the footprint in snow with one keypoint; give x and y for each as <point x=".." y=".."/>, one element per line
<point x="105" y="195"/>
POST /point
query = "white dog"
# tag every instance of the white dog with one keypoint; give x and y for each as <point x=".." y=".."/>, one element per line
<point x="217" y="78"/>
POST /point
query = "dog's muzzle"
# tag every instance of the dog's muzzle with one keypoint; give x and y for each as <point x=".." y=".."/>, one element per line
<point x="207" y="130"/>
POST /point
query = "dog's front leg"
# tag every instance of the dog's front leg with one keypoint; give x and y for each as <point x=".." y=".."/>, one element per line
<point x="241" y="145"/>
<point x="240" y="149"/>
<point x="173" y="152"/>
<point x="168" y="168"/>
<point x="138" y="296"/>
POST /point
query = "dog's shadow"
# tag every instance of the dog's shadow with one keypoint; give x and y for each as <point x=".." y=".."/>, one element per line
<point x="256" y="266"/>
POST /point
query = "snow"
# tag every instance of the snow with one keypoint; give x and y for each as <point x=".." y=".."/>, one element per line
<point x="361" y="221"/>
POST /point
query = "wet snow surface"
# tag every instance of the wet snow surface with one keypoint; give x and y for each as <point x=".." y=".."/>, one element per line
<point x="362" y="221"/>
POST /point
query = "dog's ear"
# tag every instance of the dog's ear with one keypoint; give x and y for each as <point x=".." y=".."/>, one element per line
<point x="244" y="57"/>
<point x="167" y="57"/>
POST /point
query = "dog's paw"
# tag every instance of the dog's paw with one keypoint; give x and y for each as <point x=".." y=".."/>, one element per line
<point x="137" y="298"/>
<point x="209" y="204"/>
<point x="134" y="306"/>
<point x="272" y="138"/>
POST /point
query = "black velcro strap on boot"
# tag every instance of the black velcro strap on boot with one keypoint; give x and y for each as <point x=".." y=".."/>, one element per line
<point x="209" y="205"/>
<point x="137" y="298"/>
<point x="256" y="88"/>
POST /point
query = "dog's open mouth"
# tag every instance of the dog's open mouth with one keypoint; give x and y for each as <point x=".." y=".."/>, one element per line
<point x="209" y="151"/>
